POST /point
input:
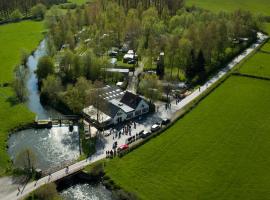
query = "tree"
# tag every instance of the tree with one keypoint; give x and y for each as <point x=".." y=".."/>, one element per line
<point x="51" y="87"/>
<point x="26" y="159"/>
<point x="151" y="87"/>
<point x="46" y="192"/>
<point x="38" y="11"/>
<point x="16" y="15"/>
<point x="200" y="66"/>
<point x="45" y="67"/>
<point x="183" y="54"/>
<point x="95" y="99"/>
<point x="19" y="83"/>
<point x="77" y="97"/>
<point x="24" y="57"/>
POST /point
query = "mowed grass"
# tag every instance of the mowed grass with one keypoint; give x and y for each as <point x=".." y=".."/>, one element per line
<point x="13" y="38"/>
<point x="220" y="150"/>
<point x="79" y="2"/>
<point x="259" y="63"/>
<point x="11" y="116"/>
<point x="259" y="6"/>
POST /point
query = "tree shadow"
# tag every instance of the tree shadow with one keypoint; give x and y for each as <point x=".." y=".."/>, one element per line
<point x="13" y="101"/>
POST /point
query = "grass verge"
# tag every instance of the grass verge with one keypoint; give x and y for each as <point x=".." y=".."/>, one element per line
<point x="217" y="151"/>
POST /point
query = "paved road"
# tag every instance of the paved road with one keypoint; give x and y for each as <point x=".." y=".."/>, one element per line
<point x="133" y="78"/>
<point x="144" y="125"/>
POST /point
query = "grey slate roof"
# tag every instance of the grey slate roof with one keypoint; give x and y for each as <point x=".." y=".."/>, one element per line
<point x="130" y="99"/>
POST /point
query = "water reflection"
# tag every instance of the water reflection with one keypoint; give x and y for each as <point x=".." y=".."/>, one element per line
<point x="33" y="102"/>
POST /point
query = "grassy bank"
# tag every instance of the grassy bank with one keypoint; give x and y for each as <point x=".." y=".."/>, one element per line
<point x="258" y="64"/>
<point x="14" y="38"/>
<point x="259" y="6"/>
<point x="218" y="151"/>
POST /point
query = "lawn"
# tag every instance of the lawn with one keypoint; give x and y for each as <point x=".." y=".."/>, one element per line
<point x="14" y="37"/>
<point x="258" y="64"/>
<point x="79" y="2"/>
<point x="220" y="150"/>
<point x="259" y="6"/>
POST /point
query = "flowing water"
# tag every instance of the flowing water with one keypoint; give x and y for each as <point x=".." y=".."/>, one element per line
<point x="55" y="146"/>
<point x="86" y="192"/>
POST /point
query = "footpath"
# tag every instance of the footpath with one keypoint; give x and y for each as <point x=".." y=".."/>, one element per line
<point x="30" y="187"/>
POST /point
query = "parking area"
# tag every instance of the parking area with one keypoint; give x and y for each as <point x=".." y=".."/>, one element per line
<point x="121" y="133"/>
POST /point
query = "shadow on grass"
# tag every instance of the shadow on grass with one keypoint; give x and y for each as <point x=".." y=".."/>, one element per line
<point x="13" y="101"/>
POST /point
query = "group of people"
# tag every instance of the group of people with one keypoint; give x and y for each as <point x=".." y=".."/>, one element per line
<point x="111" y="154"/>
<point x="126" y="130"/>
<point x="168" y="105"/>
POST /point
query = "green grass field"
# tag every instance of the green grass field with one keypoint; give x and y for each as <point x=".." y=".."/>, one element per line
<point x="79" y="2"/>
<point x="14" y="38"/>
<point x="258" y="64"/>
<point x="220" y="150"/>
<point x="259" y="6"/>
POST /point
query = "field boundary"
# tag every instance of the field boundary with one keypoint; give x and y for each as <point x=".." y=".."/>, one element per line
<point x="256" y="50"/>
<point x="179" y="114"/>
<point x="251" y="76"/>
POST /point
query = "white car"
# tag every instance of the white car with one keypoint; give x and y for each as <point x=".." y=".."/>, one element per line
<point x="155" y="127"/>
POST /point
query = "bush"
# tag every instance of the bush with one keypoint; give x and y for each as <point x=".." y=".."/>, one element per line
<point x="16" y="15"/>
<point x="122" y="195"/>
<point x="39" y="11"/>
<point x="46" y="192"/>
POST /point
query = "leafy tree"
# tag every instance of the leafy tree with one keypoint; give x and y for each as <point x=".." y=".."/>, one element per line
<point x="24" y="57"/>
<point x="45" y="67"/>
<point x="26" y="159"/>
<point x="16" y="15"/>
<point x="51" y="87"/>
<point x="46" y="192"/>
<point x="76" y="97"/>
<point x="150" y="87"/>
<point x="19" y="83"/>
<point x="38" y="11"/>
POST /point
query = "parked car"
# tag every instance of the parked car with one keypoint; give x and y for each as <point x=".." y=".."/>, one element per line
<point x="139" y="135"/>
<point x="132" y="62"/>
<point x="155" y="127"/>
<point x="145" y="134"/>
<point x="165" y="121"/>
<point x="122" y="147"/>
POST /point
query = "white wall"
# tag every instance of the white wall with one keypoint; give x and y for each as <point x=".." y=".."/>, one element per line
<point x="118" y="115"/>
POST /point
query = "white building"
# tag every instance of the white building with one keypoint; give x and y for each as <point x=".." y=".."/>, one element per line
<point x="117" y="110"/>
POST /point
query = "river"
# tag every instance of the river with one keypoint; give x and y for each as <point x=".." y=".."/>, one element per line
<point x="52" y="147"/>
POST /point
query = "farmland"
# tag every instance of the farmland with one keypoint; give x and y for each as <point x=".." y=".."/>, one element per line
<point x="217" y="151"/>
<point x="260" y="6"/>
<point x="259" y="64"/>
<point x="14" y="38"/>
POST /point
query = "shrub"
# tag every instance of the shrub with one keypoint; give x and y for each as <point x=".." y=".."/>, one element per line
<point x="16" y="15"/>
<point x="39" y="11"/>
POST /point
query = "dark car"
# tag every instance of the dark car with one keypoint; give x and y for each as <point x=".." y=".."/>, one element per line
<point x="165" y="121"/>
<point x="132" y="62"/>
